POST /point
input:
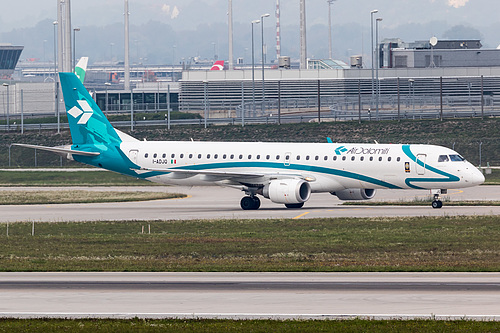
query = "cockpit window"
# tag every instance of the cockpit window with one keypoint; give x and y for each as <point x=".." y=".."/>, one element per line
<point x="456" y="158"/>
<point x="443" y="158"/>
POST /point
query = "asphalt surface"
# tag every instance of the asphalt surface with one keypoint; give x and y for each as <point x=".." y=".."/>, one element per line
<point x="251" y="295"/>
<point x="217" y="202"/>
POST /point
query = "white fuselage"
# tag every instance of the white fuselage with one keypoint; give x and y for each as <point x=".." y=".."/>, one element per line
<point x="328" y="167"/>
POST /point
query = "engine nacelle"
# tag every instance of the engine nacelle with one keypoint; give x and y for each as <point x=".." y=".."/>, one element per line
<point x="287" y="191"/>
<point x="355" y="194"/>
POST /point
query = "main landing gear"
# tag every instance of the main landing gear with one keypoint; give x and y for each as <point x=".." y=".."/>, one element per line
<point x="250" y="203"/>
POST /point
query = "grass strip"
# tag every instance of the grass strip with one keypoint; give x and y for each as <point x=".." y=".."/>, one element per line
<point x="452" y="244"/>
<point x="68" y="178"/>
<point x="212" y="325"/>
<point x="71" y="196"/>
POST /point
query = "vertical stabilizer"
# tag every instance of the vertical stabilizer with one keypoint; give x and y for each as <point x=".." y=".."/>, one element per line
<point x="81" y="68"/>
<point x="87" y="123"/>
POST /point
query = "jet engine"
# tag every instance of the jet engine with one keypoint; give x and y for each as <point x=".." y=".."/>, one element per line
<point x="287" y="191"/>
<point x="355" y="194"/>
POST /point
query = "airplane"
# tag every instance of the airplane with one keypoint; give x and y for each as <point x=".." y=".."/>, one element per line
<point x="218" y="66"/>
<point x="81" y="68"/>
<point x="285" y="173"/>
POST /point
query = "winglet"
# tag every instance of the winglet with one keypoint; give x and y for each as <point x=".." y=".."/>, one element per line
<point x="329" y="140"/>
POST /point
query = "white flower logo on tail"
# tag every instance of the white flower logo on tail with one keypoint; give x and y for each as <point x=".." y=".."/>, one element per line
<point x="85" y="111"/>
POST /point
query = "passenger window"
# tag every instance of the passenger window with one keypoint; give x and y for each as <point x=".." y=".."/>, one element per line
<point x="380" y="159"/>
<point x="389" y="159"/>
<point x="154" y="156"/>
<point x="216" y="156"/>
<point x="326" y="158"/>
<point x="316" y="158"/>
<point x="443" y="158"/>
<point x="199" y="156"/>
<point x="146" y="155"/>
<point x="277" y="157"/>
<point x="240" y="157"/>
<point x="268" y="157"/>
<point x="258" y="157"/>
<point x="287" y="157"/>
<point x="173" y="155"/>
<point x="371" y="158"/>
<point x="190" y="155"/>
<point x="334" y="158"/>
<point x="164" y="155"/>
<point x="307" y="157"/>
<point x="353" y="158"/>
<point x="398" y="159"/>
<point x="232" y="156"/>
<point x="362" y="158"/>
<point x="249" y="157"/>
<point x="298" y="157"/>
<point x="224" y="156"/>
<point x="208" y="156"/>
<point x="182" y="156"/>
<point x="343" y="158"/>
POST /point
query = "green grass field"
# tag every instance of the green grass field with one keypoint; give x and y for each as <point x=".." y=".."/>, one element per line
<point x="62" y="178"/>
<point x="67" y="196"/>
<point x="316" y="245"/>
<point x="245" y="326"/>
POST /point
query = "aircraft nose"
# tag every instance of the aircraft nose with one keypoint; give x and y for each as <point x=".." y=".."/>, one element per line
<point x="477" y="177"/>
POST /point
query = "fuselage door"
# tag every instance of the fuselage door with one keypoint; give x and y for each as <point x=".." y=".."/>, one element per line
<point x="288" y="157"/>
<point x="420" y="167"/>
<point x="132" y="154"/>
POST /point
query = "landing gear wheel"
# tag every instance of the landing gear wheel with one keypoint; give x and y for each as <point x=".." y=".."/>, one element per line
<point x="256" y="202"/>
<point x="250" y="203"/>
<point x="297" y="205"/>
<point x="437" y="204"/>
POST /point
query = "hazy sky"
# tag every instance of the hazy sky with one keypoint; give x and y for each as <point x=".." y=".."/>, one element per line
<point x="187" y="14"/>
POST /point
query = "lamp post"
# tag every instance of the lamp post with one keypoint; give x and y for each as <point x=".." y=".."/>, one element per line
<point x="253" y="68"/>
<point x="8" y="120"/>
<point x="263" y="58"/>
<point x="56" y="86"/>
<point x="377" y="48"/>
<point x="107" y="84"/>
<point x="371" y="41"/>
<point x="330" y="52"/>
<point x="74" y="47"/>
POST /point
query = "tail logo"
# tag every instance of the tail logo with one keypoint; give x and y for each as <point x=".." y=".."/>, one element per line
<point x="84" y="112"/>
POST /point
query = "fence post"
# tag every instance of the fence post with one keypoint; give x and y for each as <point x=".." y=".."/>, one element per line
<point x="441" y="98"/>
<point x="482" y="97"/>
<point x="319" y="101"/>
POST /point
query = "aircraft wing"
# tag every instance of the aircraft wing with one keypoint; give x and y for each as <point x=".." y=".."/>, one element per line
<point x="58" y="150"/>
<point x="224" y="174"/>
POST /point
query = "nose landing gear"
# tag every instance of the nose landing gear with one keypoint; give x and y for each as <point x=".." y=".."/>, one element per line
<point x="437" y="203"/>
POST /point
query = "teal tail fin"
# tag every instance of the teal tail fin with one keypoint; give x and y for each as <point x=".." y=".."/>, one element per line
<point x="81" y="68"/>
<point x="91" y="131"/>
<point x="87" y="123"/>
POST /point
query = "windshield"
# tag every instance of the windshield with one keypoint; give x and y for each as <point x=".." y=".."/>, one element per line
<point x="456" y="158"/>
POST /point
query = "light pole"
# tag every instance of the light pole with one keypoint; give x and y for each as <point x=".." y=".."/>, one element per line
<point x="253" y="69"/>
<point x="371" y="41"/>
<point x="107" y="84"/>
<point x="330" y="53"/>
<point x="263" y="59"/>
<point x="74" y="47"/>
<point x="8" y="120"/>
<point x="377" y="48"/>
<point x="56" y="86"/>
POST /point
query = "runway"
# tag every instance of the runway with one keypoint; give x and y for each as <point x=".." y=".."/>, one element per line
<point x="251" y="295"/>
<point x="223" y="203"/>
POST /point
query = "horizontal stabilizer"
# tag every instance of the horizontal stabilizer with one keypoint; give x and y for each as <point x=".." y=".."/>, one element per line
<point x="58" y="150"/>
